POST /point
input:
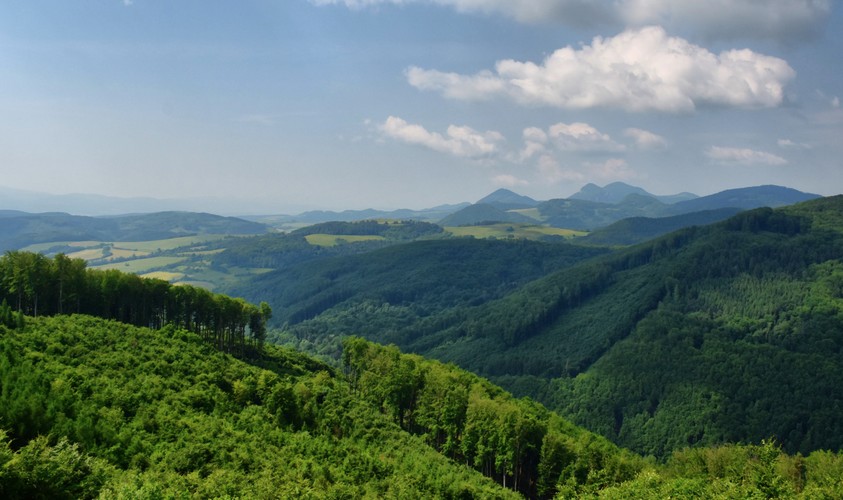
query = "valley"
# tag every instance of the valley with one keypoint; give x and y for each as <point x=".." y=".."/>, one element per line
<point x="674" y="338"/>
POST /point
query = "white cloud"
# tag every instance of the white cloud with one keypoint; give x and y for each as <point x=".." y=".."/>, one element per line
<point x="535" y="140"/>
<point x="741" y="156"/>
<point x="581" y="137"/>
<point x="507" y="180"/>
<point x="645" y="139"/>
<point x="783" y="20"/>
<point x="637" y="70"/>
<point x="128" y="3"/>
<point x="788" y="144"/>
<point x="835" y="102"/>
<point x="464" y="142"/>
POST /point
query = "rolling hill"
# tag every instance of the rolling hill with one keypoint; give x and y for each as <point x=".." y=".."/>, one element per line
<point x="18" y="230"/>
<point x="617" y="191"/>
<point x="505" y="199"/>
<point x="747" y="310"/>
<point x="96" y="408"/>
<point x="639" y="229"/>
<point x="483" y="213"/>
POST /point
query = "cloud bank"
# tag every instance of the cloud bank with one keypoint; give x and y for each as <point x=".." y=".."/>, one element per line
<point x="638" y="70"/>
<point x="782" y="20"/>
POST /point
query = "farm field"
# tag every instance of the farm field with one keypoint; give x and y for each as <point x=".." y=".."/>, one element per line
<point x="330" y="240"/>
<point x="513" y="231"/>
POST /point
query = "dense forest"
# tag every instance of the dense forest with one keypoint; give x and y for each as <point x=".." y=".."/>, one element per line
<point x="97" y="408"/>
<point x="725" y="333"/>
<point x="33" y="284"/>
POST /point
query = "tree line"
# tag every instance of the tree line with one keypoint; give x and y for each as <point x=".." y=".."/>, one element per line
<point x="36" y="285"/>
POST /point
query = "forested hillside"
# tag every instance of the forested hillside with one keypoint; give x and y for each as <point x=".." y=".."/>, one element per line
<point x="19" y="229"/>
<point x="94" y="407"/>
<point x="727" y="333"/>
<point x="391" y="288"/>
<point x="91" y="407"/>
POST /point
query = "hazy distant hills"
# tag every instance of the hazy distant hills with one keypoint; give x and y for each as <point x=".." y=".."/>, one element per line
<point x="505" y="199"/>
<point x="594" y="207"/>
<point x="617" y="191"/>
<point x="482" y="213"/>
<point x="744" y="198"/>
<point x="318" y="216"/>
<point x="639" y="229"/>
<point x="19" y="229"/>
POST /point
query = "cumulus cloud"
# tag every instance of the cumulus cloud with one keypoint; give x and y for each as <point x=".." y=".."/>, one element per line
<point x="581" y="137"/>
<point x="535" y="140"/>
<point x="741" y="156"/>
<point x="645" y="139"/>
<point x="637" y="70"/>
<point x="783" y="20"/>
<point x="464" y="142"/>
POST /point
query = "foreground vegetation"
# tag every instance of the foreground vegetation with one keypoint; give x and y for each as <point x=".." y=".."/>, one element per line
<point x="92" y="407"/>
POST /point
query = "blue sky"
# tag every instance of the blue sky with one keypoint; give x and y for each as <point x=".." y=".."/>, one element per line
<point x="285" y="105"/>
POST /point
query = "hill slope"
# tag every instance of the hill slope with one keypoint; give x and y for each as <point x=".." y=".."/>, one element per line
<point x="483" y="213"/>
<point x="163" y="413"/>
<point x="617" y="191"/>
<point x="755" y="297"/>
<point x="18" y="230"/>
<point x="639" y="229"/>
<point x="507" y="200"/>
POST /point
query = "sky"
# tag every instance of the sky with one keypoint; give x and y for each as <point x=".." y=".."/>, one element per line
<point x="287" y="105"/>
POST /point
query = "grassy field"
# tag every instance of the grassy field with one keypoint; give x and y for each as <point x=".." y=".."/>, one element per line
<point x="184" y="259"/>
<point x="513" y="231"/>
<point x="140" y="266"/>
<point x="164" y="275"/>
<point x="88" y="254"/>
<point x="532" y="213"/>
<point x="329" y="240"/>
<point x="168" y="244"/>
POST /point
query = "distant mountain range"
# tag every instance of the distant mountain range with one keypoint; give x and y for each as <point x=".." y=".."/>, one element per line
<point x="617" y="191"/>
<point x="591" y="208"/>
<point x="585" y="210"/>
<point x="20" y="229"/>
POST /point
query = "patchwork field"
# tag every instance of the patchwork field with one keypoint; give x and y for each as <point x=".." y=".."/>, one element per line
<point x="513" y="231"/>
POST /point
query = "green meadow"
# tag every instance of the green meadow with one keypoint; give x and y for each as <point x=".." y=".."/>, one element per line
<point x="513" y="231"/>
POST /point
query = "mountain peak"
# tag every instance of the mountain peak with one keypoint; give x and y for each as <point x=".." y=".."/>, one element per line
<point x="507" y="200"/>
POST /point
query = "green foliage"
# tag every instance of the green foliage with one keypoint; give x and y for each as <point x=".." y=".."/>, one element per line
<point x="161" y="413"/>
<point x="516" y="442"/>
<point x="39" y="285"/>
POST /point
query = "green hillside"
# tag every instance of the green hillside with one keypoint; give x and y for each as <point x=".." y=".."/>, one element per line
<point x="727" y="333"/>
<point x="484" y="213"/>
<point x="94" y="408"/>
<point x="128" y="412"/>
<point x="388" y="289"/>
<point x="18" y="229"/>
<point x="639" y="229"/>
<point x="91" y="407"/>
